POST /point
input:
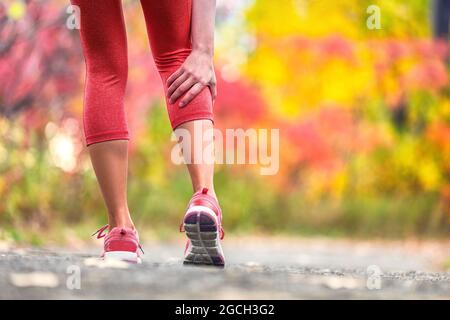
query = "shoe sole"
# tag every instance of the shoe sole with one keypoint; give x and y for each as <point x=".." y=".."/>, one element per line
<point x="201" y="229"/>
<point x="127" y="256"/>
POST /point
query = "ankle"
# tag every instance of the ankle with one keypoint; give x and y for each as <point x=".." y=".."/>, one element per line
<point x="211" y="191"/>
<point x="121" y="221"/>
<point x="124" y="225"/>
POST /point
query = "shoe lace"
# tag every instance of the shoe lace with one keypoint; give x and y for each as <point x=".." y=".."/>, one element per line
<point x="101" y="234"/>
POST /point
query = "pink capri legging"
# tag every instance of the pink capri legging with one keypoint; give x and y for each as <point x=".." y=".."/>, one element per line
<point x="104" y="44"/>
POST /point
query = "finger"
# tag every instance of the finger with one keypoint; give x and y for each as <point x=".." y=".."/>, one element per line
<point x="191" y="94"/>
<point x="176" y="83"/>
<point x="174" y="76"/>
<point x="213" y="89"/>
<point x="185" y="86"/>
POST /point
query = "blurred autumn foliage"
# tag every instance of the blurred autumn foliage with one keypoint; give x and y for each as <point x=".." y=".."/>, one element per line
<point x="364" y="118"/>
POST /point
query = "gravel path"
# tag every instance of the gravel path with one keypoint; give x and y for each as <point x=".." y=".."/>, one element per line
<point x="257" y="268"/>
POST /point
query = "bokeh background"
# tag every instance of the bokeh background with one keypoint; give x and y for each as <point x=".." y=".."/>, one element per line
<point x="364" y="118"/>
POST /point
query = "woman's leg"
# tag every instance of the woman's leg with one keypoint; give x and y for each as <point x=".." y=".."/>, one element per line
<point x="105" y="49"/>
<point x="110" y="162"/>
<point x="201" y="172"/>
<point x="169" y="30"/>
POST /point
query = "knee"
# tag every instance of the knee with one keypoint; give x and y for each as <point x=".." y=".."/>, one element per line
<point x="113" y="70"/>
<point x="104" y="114"/>
<point x="169" y="61"/>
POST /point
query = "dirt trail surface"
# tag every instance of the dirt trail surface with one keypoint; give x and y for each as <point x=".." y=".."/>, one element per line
<point x="257" y="268"/>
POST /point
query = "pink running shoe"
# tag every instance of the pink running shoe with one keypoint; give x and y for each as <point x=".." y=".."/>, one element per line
<point x="120" y="244"/>
<point x="203" y="226"/>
